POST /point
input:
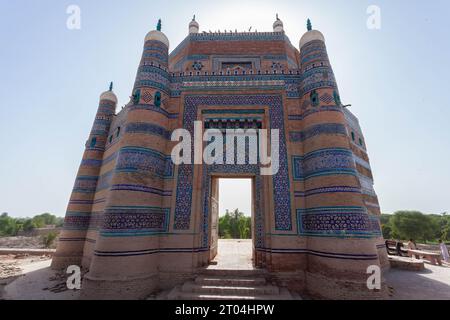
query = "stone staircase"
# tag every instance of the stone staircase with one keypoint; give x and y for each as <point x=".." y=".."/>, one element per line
<point x="230" y="285"/>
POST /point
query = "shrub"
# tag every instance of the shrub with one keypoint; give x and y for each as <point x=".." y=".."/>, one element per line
<point x="49" y="239"/>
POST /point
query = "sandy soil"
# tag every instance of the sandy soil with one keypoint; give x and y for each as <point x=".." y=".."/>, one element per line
<point x="30" y="278"/>
<point x="13" y="267"/>
<point x="24" y="243"/>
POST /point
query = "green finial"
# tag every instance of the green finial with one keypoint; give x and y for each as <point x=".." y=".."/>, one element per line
<point x="158" y="26"/>
<point x="309" y="25"/>
<point x="111" y="86"/>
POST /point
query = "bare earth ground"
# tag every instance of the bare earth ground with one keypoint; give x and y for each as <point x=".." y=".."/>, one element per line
<point x="30" y="278"/>
<point x="24" y="277"/>
<point x="22" y="242"/>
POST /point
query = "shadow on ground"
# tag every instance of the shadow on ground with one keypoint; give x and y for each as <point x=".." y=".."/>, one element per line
<point x="38" y="282"/>
<point x="433" y="283"/>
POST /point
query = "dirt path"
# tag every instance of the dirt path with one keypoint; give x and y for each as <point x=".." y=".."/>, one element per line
<point x="30" y="278"/>
<point x="13" y="267"/>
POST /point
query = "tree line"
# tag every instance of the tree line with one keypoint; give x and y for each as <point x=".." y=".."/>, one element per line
<point x="235" y="225"/>
<point x="402" y="225"/>
<point x="405" y="225"/>
<point x="10" y="226"/>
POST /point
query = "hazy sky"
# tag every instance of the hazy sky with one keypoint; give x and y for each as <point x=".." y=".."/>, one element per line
<point x="235" y="194"/>
<point x="396" y="78"/>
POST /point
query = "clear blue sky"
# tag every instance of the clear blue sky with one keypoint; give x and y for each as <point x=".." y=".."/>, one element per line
<point x="396" y="78"/>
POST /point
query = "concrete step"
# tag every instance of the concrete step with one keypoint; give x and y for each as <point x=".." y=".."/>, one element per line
<point x="230" y="290"/>
<point x="236" y="273"/>
<point x="225" y="281"/>
<point x="177" y="294"/>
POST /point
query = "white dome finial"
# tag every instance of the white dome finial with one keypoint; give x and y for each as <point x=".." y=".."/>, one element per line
<point x="311" y="35"/>
<point x="109" y="95"/>
<point x="278" y="25"/>
<point x="194" y="26"/>
<point x="157" y="35"/>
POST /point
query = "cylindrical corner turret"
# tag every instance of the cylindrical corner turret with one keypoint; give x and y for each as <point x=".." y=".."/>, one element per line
<point x="152" y="79"/>
<point x="79" y="210"/>
<point x="338" y="221"/>
<point x="138" y="180"/>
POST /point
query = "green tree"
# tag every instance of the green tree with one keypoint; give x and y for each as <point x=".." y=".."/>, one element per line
<point x="244" y="225"/>
<point x="412" y="225"/>
<point x="49" y="239"/>
<point x="59" y="222"/>
<point x="385" y="218"/>
<point x="29" y="225"/>
<point x="234" y="225"/>
<point x="386" y="227"/>
<point x="236" y="216"/>
<point x="10" y="226"/>
<point x="224" y="223"/>
<point x="39" y="221"/>
<point x="387" y="231"/>
<point x="7" y="225"/>
<point x="46" y="219"/>
<point x="445" y="227"/>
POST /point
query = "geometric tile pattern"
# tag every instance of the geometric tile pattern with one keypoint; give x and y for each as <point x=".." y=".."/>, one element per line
<point x="326" y="98"/>
<point x="134" y="220"/>
<point x="323" y="162"/>
<point x="85" y="184"/>
<point x="282" y="203"/>
<point x="134" y="159"/>
<point x="148" y="128"/>
<point x="327" y="128"/>
<point x="324" y="190"/>
<point x="334" y="222"/>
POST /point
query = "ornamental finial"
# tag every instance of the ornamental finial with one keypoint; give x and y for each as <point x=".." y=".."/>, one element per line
<point x="159" y="25"/>
<point x="309" y="25"/>
<point x="111" y="86"/>
<point x="277" y="17"/>
<point x="193" y="19"/>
